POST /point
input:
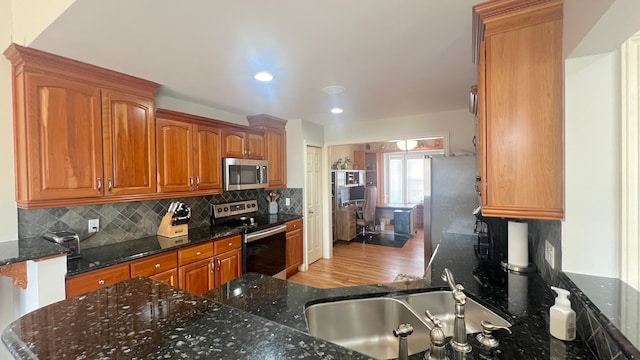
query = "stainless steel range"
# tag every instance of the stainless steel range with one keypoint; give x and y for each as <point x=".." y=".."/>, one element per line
<point x="264" y="236"/>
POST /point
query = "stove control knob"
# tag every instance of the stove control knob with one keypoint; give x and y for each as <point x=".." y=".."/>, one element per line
<point x="219" y="210"/>
<point x="226" y="209"/>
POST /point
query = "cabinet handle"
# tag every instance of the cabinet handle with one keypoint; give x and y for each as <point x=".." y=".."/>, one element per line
<point x="213" y="266"/>
<point x="157" y="266"/>
<point x="219" y="262"/>
<point x="230" y="244"/>
<point x="110" y="182"/>
<point x="101" y="282"/>
<point x="191" y="182"/>
<point x="198" y="181"/>
<point x="100" y="185"/>
<point x="198" y="253"/>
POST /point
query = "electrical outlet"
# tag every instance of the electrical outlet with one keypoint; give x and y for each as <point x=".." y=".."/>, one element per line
<point x="287" y="201"/>
<point x="94" y="225"/>
<point x="550" y="254"/>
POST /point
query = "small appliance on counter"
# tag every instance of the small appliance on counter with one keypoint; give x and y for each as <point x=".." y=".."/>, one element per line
<point x="174" y="222"/>
<point x="68" y="239"/>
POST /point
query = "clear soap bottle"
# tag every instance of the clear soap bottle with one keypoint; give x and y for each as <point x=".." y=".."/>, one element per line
<point x="562" y="318"/>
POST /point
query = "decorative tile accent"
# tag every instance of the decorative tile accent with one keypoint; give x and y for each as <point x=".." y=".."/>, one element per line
<point x="132" y="220"/>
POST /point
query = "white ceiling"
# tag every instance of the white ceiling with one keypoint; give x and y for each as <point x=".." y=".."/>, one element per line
<point x="395" y="58"/>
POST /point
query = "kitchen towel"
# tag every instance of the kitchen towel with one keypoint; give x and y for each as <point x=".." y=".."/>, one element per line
<point x="518" y="250"/>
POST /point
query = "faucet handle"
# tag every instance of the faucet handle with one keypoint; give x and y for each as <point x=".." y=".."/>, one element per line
<point x="438" y="339"/>
<point x="403" y="330"/>
<point x="486" y="337"/>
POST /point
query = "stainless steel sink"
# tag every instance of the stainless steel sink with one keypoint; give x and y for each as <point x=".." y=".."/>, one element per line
<point x="441" y="305"/>
<point x="366" y="325"/>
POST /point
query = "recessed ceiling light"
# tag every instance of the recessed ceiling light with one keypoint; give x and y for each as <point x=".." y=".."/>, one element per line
<point x="336" y="111"/>
<point x="333" y="89"/>
<point x="263" y="76"/>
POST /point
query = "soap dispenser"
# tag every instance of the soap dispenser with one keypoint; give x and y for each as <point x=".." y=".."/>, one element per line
<point x="562" y="319"/>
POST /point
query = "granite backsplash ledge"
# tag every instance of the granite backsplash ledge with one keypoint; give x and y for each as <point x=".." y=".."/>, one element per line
<point x="137" y="219"/>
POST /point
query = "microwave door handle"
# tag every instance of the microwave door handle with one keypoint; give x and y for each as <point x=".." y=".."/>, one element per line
<point x="258" y="174"/>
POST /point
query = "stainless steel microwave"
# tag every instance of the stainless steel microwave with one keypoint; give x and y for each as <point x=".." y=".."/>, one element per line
<point x="242" y="174"/>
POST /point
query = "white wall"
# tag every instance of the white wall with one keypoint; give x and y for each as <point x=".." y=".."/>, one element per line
<point x="460" y="124"/>
<point x="592" y="171"/>
<point x="166" y="102"/>
<point x="341" y="152"/>
<point x="295" y="154"/>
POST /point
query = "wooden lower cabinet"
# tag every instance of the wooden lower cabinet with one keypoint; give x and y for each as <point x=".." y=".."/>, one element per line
<point x="162" y="267"/>
<point x="97" y="279"/>
<point x="169" y="277"/>
<point x="294" y="246"/>
<point x="228" y="266"/>
<point x="197" y="277"/>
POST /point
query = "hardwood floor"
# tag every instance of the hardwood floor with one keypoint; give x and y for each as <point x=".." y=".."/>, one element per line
<point x="364" y="264"/>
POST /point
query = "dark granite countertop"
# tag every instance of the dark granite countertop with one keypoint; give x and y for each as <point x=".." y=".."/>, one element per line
<point x="525" y="299"/>
<point x="257" y="316"/>
<point x="144" y="319"/>
<point x="16" y="251"/>
<point x="112" y="254"/>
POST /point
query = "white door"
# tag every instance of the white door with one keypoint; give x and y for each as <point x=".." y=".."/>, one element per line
<point x="313" y="218"/>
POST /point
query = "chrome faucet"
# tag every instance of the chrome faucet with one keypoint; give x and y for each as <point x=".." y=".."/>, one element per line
<point x="459" y="341"/>
<point x="402" y="332"/>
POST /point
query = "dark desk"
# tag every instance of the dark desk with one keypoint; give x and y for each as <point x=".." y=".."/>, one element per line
<point x="404" y="216"/>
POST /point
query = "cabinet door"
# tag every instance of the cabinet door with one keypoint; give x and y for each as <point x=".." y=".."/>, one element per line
<point x="233" y="143"/>
<point x="207" y="158"/>
<point x="169" y="277"/>
<point x="524" y="153"/>
<point x="294" y="251"/>
<point x="228" y="266"/>
<point x="129" y="143"/>
<point x="175" y="155"/>
<point x="196" y="277"/>
<point x="63" y="138"/>
<point x="96" y="279"/>
<point x="275" y="143"/>
<point x="255" y="146"/>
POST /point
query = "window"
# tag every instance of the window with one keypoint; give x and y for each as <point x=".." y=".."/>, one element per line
<point x="404" y="177"/>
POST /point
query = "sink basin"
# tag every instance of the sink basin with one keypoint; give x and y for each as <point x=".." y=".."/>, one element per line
<point x="366" y="325"/>
<point x="441" y="305"/>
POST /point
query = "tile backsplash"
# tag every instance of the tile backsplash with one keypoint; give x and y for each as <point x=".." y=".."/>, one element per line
<point x="132" y="220"/>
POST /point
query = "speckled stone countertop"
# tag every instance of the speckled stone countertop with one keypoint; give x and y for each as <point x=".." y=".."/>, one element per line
<point x="107" y="255"/>
<point x="16" y="251"/>
<point x="256" y="317"/>
<point x="144" y="319"/>
<point x="525" y="299"/>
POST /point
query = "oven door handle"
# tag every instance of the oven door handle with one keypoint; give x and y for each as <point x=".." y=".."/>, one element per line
<point x="264" y="233"/>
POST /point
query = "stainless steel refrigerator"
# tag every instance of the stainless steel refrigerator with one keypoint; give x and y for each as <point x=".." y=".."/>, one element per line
<point x="449" y="199"/>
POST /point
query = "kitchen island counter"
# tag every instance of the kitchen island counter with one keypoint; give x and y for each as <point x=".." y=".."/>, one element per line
<point x="258" y="316"/>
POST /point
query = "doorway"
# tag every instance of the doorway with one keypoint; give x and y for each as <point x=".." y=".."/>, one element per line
<point x="313" y="206"/>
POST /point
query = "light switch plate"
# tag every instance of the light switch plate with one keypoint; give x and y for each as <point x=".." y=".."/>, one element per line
<point x="287" y="201"/>
<point x="549" y="254"/>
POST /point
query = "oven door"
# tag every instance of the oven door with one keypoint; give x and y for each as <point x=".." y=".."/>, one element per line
<point x="264" y="252"/>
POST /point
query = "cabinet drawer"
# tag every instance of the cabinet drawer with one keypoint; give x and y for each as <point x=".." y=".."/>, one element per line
<point x="226" y="244"/>
<point x="93" y="280"/>
<point x="297" y="224"/>
<point x="195" y="253"/>
<point x="154" y="265"/>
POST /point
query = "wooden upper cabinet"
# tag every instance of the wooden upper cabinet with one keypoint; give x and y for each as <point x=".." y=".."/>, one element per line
<point x="129" y="143"/>
<point x="521" y="121"/>
<point x="233" y="141"/>
<point x="275" y="147"/>
<point x="188" y="152"/>
<point x="59" y="139"/>
<point x="175" y="155"/>
<point x="82" y="134"/>
<point x="239" y="143"/>
<point x="208" y="157"/>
